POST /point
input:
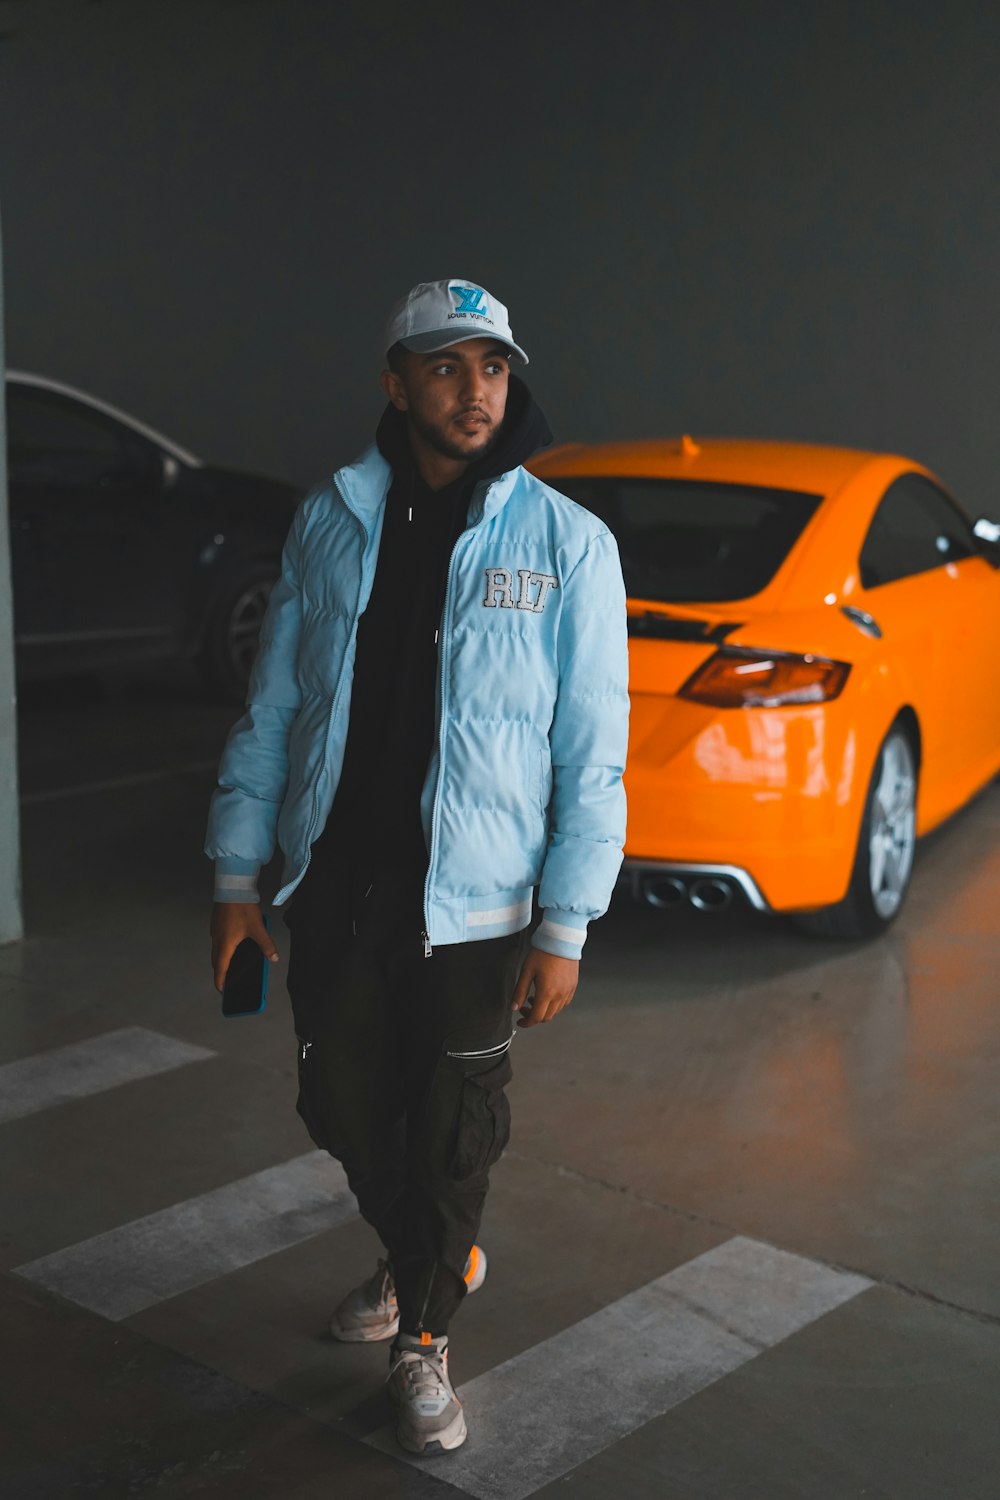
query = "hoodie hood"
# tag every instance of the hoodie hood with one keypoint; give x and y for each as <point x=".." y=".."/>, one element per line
<point x="523" y="431"/>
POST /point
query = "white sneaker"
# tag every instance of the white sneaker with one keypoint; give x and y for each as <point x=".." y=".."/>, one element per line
<point x="368" y="1313"/>
<point x="475" y="1270"/>
<point x="429" y="1414"/>
<point x="371" y="1312"/>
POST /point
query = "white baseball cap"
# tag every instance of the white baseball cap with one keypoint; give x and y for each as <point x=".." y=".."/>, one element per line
<point x="435" y="314"/>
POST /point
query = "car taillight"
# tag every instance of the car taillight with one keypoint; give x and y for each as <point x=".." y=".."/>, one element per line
<point x="740" y="677"/>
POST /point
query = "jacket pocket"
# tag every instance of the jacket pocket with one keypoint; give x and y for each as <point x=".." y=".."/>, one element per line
<point x="483" y="1121"/>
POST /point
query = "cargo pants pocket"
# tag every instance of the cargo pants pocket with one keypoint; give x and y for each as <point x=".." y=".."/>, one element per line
<point x="483" y="1126"/>
<point x="307" y="1103"/>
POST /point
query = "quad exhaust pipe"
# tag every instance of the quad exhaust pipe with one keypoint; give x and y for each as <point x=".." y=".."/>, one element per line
<point x="703" y="892"/>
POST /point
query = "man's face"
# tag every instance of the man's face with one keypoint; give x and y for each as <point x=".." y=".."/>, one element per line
<point x="455" y="399"/>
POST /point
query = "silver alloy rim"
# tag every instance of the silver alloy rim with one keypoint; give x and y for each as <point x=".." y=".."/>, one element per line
<point x="892" y="835"/>
<point x="245" y="620"/>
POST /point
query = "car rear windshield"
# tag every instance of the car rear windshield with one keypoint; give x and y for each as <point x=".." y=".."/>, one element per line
<point x="691" y="541"/>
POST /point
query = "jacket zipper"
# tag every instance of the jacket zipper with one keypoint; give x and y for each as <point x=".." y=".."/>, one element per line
<point x="337" y="695"/>
<point x="343" y="676"/>
<point x="444" y="637"/>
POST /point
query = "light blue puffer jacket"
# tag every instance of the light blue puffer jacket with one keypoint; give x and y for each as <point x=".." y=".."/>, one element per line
<point x="525" y="785"/>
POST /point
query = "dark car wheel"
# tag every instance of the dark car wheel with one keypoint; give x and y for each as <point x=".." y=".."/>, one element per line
<point x="233" y="631"/>
<point x="883" y="862"/>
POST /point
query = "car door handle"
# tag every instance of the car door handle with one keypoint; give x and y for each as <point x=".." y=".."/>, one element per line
<point x="865" y="622"/>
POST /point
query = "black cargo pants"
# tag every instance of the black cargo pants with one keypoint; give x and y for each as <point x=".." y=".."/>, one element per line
<point x="403" y="1061"/>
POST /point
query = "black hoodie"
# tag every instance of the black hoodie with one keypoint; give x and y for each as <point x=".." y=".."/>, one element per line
<point x="374" y="824"/>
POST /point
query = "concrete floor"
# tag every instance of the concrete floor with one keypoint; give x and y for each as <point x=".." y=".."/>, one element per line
<point x="724" y="1095"/>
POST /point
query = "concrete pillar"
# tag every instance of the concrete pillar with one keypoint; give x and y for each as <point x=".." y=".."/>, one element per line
<point x="11" y="927"/>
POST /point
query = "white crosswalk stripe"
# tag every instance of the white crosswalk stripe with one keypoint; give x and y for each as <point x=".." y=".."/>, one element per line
<point x="533" y="1419"/>
<point x="81" y="1069"/>
<point x="547" y="1410"/>
<point x="148" y="1260"/>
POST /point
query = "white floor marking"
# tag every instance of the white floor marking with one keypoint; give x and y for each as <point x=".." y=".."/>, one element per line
<point x="83" y="1068"/>
<point x="544" y="1412"/>
<point x="127" y="1269"/>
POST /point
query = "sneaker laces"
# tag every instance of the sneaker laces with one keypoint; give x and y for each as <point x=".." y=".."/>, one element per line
<point x="426" y="1374"/>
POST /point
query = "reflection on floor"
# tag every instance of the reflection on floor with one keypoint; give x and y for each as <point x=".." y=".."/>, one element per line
<point x="743" y="1245"/>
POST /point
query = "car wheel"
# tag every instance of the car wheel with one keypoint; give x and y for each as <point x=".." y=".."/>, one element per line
<point x="883" y="862"/>
<point x="234" y="629"/>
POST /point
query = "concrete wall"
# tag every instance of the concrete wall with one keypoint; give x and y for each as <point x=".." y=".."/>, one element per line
<point x="761" y="219"/>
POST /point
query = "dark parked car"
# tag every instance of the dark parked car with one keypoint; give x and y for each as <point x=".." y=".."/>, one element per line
<point x="126" y="547"/>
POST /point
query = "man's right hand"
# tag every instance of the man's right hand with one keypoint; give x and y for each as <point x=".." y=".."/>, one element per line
<point x="232" y="921"/>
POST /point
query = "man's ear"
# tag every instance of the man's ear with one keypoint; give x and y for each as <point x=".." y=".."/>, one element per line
<point x="394" y="388"/>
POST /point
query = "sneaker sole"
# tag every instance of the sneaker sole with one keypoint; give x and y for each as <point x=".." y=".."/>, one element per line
<point x="452" y="1437"/>
<point x="373" y="1335"/>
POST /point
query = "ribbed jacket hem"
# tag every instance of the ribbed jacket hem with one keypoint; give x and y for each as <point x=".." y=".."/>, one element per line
<point x="236" y="880"/>
<point x="560" y="933"/>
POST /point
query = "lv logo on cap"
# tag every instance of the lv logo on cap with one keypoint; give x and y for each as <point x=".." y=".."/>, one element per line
<point x="470" y="299"/>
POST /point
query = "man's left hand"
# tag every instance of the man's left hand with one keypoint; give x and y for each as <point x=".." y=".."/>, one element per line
<point x="554" y="980"/>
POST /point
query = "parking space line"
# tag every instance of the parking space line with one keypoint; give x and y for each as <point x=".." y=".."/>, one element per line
<point x="133" y="1267"/>
<point x="547" y="1410"/>
<point x="80" y="1069"/>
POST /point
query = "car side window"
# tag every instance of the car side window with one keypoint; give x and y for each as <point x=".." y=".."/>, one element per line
<point x="53" y="440"/>
<point x="916" y="528"/>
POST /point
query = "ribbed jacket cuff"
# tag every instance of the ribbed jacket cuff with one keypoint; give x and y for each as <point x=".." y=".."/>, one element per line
<point x="236" y="880"/>
<point x="562" y="933"/>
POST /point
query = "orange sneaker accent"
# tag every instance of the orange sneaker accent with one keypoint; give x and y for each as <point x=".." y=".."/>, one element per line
<point x="473" y="1264"/>
<point x="425" y="1338"/>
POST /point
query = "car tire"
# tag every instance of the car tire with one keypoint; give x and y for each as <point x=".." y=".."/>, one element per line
<point x="883" y="862"/>
<point x="234" y="627"/>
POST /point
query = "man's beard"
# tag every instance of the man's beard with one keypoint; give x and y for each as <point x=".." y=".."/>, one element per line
<point x="441" y="444"/>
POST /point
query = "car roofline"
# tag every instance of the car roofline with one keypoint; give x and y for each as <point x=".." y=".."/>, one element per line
<point x="60" y="388"/>
<point x="818" y="468"/>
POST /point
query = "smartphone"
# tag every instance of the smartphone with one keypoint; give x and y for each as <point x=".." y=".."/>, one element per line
<point x="244" y="990"/>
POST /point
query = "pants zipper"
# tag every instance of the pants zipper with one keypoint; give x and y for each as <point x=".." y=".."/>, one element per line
<point x="427" y="1298"/>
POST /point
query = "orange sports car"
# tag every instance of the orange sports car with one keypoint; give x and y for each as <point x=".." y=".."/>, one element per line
<point x="814" y="643"/>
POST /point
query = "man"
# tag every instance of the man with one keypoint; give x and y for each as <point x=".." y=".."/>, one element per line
<point x="436" y="724"/>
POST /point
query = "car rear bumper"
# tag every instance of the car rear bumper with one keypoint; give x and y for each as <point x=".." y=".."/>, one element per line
<point x="767" y="800"/>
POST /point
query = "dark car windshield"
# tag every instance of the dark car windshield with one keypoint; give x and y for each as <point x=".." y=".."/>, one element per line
<point x="692" y="541"/>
